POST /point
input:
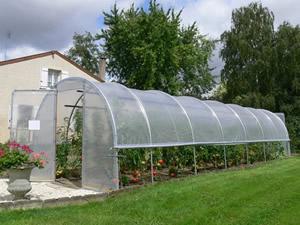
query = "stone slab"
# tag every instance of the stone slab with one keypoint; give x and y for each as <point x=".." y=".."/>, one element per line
<point x="48" y="194"/>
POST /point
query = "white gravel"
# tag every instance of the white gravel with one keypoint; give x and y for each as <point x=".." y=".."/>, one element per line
<point x="45" y="190"/>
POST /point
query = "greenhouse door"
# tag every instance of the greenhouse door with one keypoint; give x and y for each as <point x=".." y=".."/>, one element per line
<point x="33" y="122"/>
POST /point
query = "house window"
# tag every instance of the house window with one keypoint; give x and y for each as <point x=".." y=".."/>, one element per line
<point x="53" y="77"/>
<point x="50" y="77"/>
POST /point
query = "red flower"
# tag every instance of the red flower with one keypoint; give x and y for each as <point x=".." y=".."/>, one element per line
<point x="173" y="174"/>
<point x="154" y="173"/>
<point x="44" y="154"/>
<point x="135" y="180"/>
<point x="36" y="156"/>
<point x="16" y="150"/>
<point x="161" y="161"/>
<point x="2" y="153"/>
<point x="13" y="144"/>
<point x="43" y="162"/>
<point x="27" y="149"/>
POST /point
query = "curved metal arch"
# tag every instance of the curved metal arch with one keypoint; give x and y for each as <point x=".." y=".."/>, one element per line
<point x="114" y="127"/>
<point x="187" y="102"/>
<point x="235" y="114"/>
<point x="268" y="118"/>
<point x="71" y="115"/>
<point x="255" y="117"/>
<point x="239" y="118"/>
<point x="92" y="84"/>
<point x="272" y="124"/>
<point x="215" y="116"/>
<point x="183" y="109"/>
<point x="140" y="104"/>
<point x="280" y="121"/>
<point x="173" y="122"/>
<point x="43" y="101"/>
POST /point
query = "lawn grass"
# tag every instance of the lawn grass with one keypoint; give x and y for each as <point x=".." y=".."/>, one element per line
<point x="268" y="194"/>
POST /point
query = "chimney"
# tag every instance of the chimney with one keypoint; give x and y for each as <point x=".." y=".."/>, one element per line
<point x="102" y="68"/>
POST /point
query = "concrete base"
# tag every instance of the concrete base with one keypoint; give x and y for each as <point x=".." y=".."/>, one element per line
<point x="48" y="194"/>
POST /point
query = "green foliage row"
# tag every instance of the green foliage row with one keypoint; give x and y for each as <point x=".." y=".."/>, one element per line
<point x="207" y="157"/>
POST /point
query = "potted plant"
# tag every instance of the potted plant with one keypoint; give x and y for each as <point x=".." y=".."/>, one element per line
<point x="19" y="160"/>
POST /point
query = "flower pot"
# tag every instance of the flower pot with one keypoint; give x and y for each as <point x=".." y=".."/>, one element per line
<point x="19" y="173"/>
<point x="19" y="183"/>
<point x="19" y="188"/>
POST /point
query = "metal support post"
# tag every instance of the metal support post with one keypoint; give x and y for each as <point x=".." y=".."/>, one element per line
<point x="264" y="149"/>
<point x="225" y="158"/>
<point x="151" y="165"/>
<point x="247" y="154"/>
<point x="288" y="147"/>
<point x="195" y="161"/>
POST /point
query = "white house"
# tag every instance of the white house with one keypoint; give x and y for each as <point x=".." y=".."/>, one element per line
<point x="40" y="71"/>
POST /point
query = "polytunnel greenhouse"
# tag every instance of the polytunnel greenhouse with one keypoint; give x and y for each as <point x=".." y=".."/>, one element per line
<point x="116" y="117"/>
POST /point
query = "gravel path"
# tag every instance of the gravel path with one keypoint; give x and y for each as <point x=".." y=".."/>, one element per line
<point x="45" y="190"/>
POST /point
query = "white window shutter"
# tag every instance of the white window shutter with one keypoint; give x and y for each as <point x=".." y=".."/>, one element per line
<point x="44" y="78"/>
<point x="64" y="75"/>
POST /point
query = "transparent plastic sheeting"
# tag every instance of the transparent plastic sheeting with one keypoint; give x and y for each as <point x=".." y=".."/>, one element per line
<point x="39" y="106"/>
<point x="157" y="119"/>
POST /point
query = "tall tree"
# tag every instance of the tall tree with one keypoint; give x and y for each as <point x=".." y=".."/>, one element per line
<point x="151" y="50"/>
<point x="262" y="67"/>
<point x="249" y="57"/>
<point x="287" y="46"/>
<point x="288" y="77"/>
<point x="85" y="51"/>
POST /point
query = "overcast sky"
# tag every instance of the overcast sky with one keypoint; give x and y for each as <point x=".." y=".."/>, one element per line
<point x="34" y="26"/>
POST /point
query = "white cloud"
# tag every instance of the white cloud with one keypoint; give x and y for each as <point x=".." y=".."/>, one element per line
<point x="22" y="51"/>
<point x="48" y="24"/>
<point x="287" y="10"/>
<point x="211" y="16"/>
<point x="214" y="16"/>
<point x="42" y="25"/>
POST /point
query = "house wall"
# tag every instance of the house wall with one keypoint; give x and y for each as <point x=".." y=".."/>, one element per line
<point x="27" y="75"/>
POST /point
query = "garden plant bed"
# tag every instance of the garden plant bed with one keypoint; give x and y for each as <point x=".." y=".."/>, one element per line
<point x="163" y="176"/>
